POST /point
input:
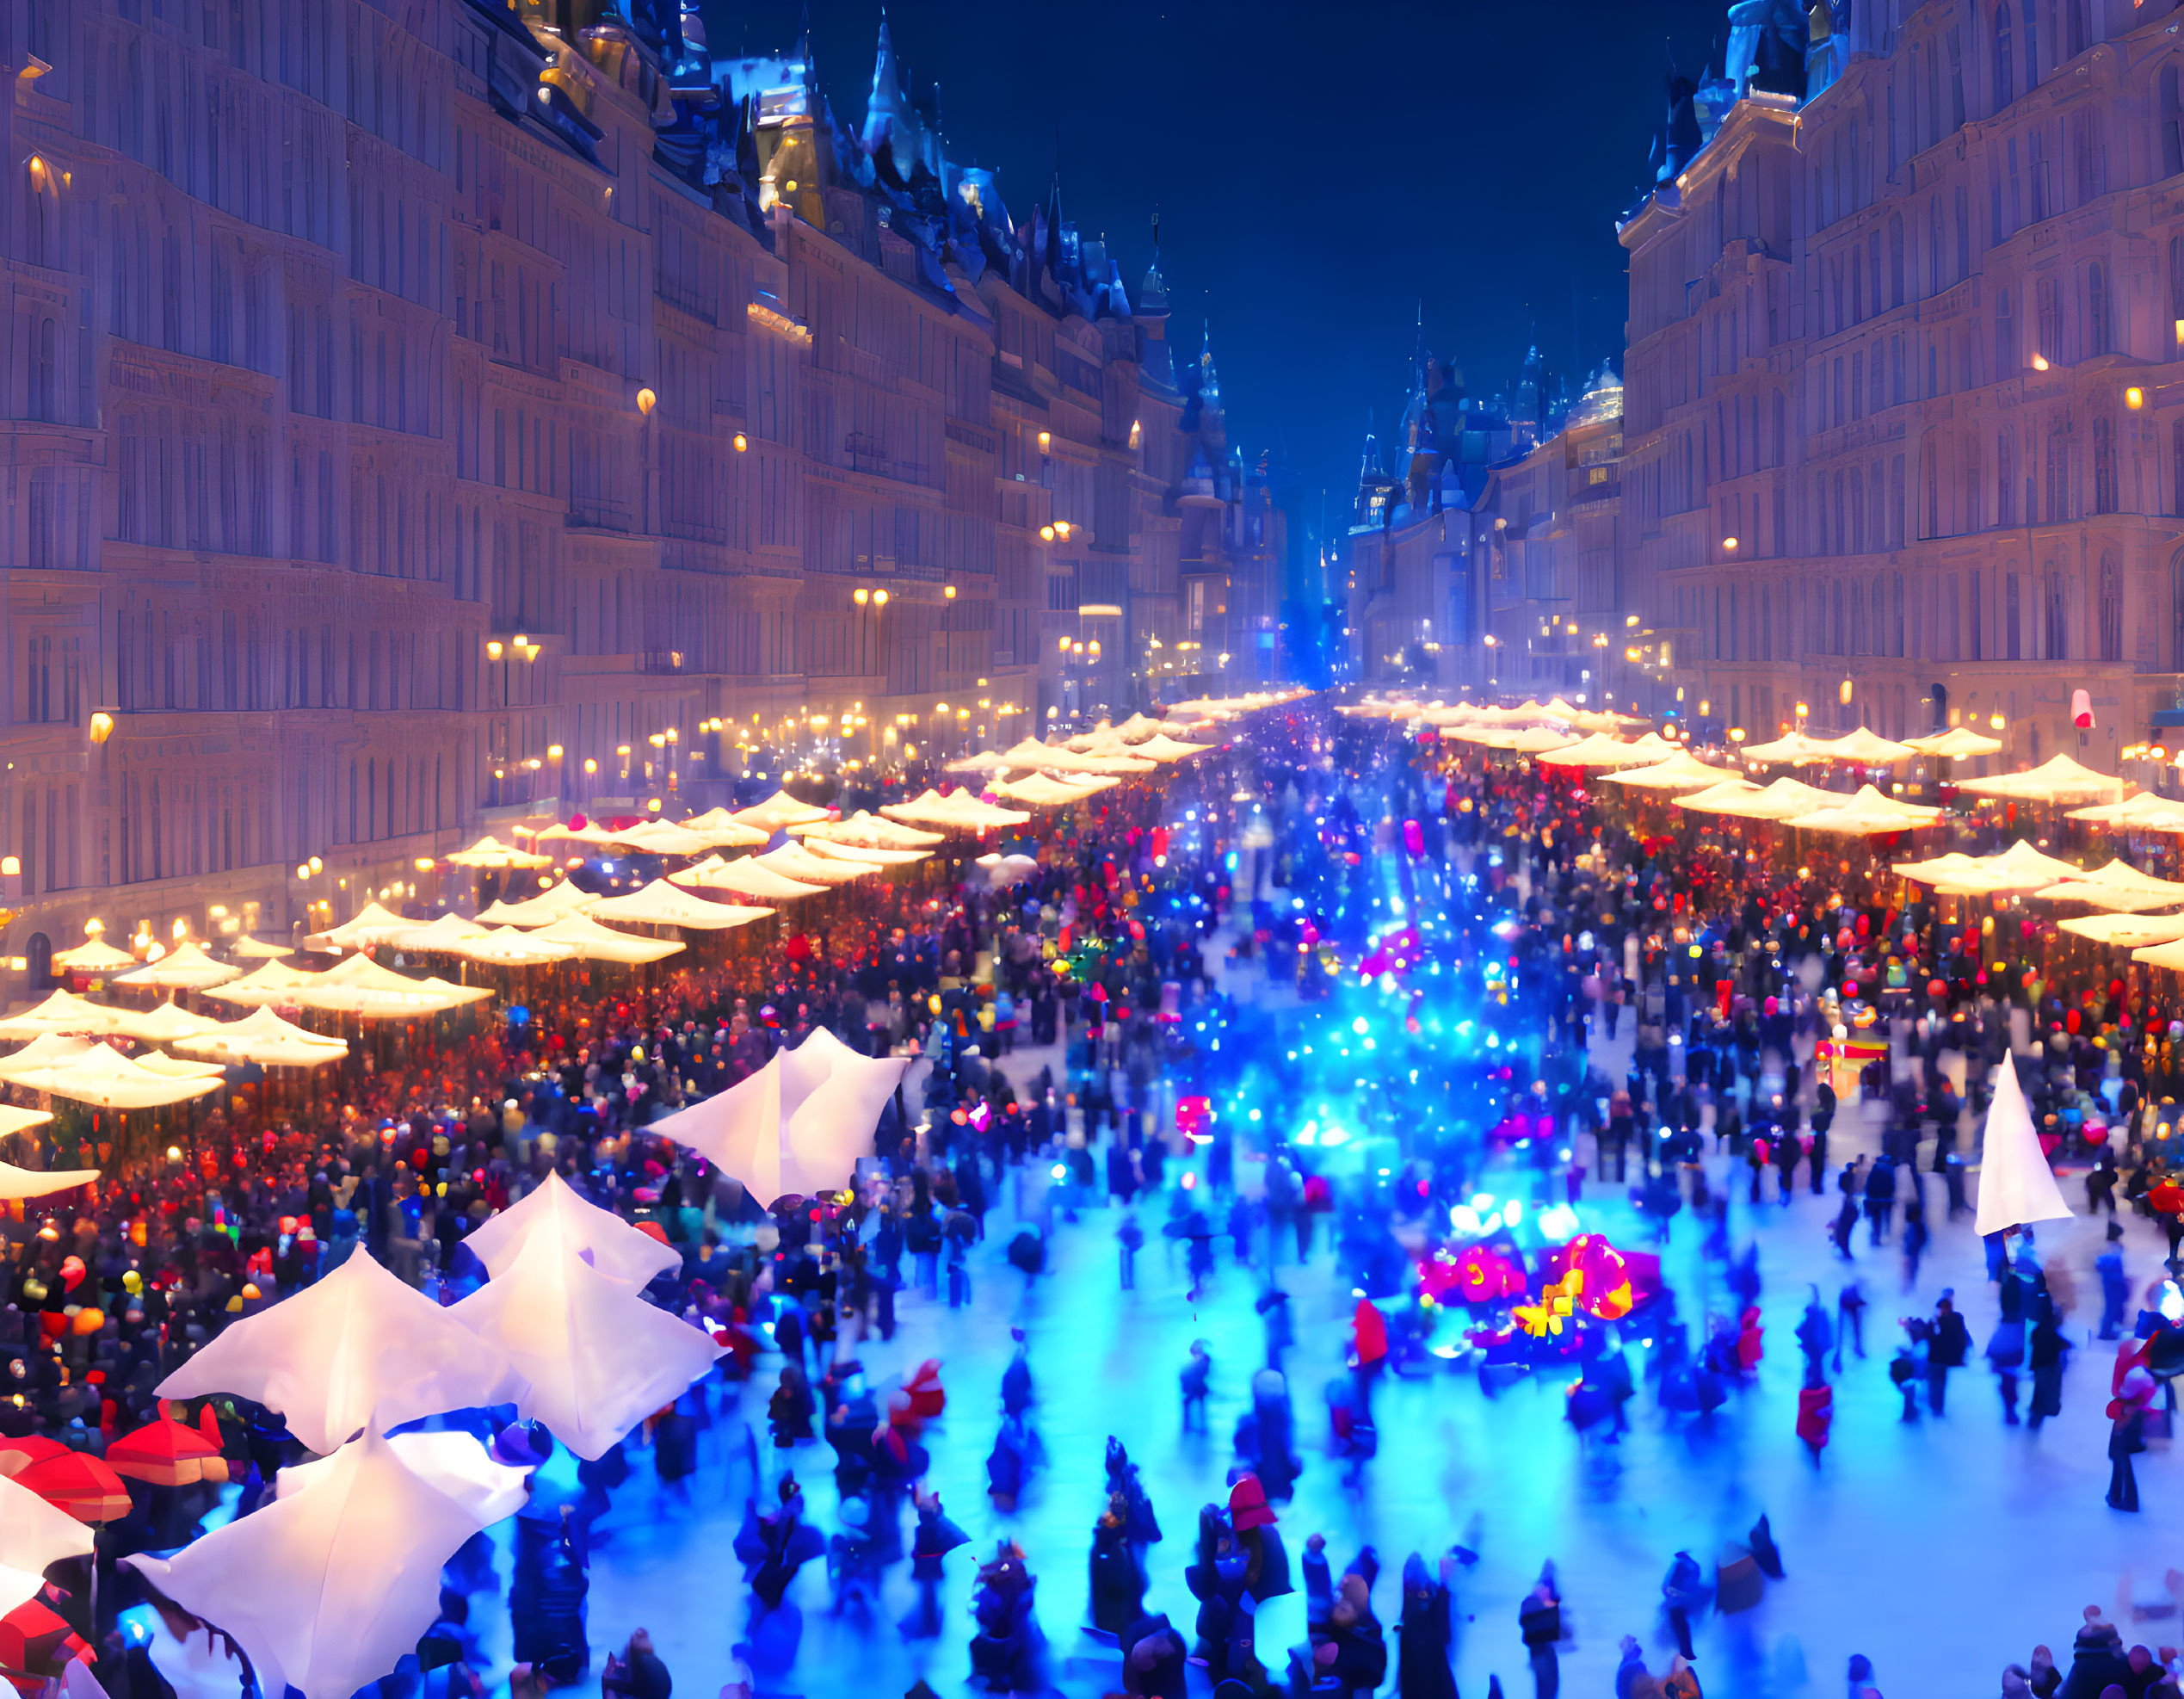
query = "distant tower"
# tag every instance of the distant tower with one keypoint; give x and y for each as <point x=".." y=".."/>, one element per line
<point x="1157" y="359"/>
<point x="890" y="122"/>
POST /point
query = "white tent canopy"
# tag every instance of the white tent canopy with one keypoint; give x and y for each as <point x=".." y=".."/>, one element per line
<point x="597" y="1358"/>
<point x="555" y="1211"/>
<point x="185" y="968"/>
<point x="447" y="1458"/>
<point x="47" y="1050"/>
<point x="106" y="1077"/>
<point x="32" y="1534"/>
<point x="593" y="942"/>
<point x="2059" y="780"/>
<point x="359" y="1349"/>
<point x="868" y="831"/>
<point x="859" y="855"/>
<point x="325" y="1588"/>
<point x="798" y="1126"/>
<point x="507" y="946"/>
<point x="2016" y="1186"/>
<point x="263" y="1037"/>
<point x="27" y="1182"/>
<point x="778" y="811"/>
<point x="269" y="983"/>
<point x="793" y="861"/>
<point x="660" y="903"/>
<point x="746" y="876"/>
<point x="93" y="955"/>
<point x="63" y="1011"/>
<point x="165" y="1024"/>
<point x="663" y="837"/>
<point x="368" y="928"/>
<point x="548" y="906"/>
<point x="723" y="831"/>
<point x="1958" y="742"/>
<point x="490" y="854"/>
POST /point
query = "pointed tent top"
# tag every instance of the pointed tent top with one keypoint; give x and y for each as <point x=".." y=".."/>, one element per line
<point x="2016" y="1186"/>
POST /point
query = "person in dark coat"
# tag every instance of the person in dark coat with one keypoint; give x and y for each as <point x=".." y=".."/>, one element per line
<point x="1016" y="1379"/>
<point x="1009" y="1653"/>
<point x="1540" y="1620"/>
<point x="2046" y="1352"/>
<point x="1423" y="1632"/>
<point x="790" y="1410"/>
<point x="636" y="1672"/>
<point x="772" y="1549"/>
<point x="1948" y="1346"/>
<point x="2126" y="1437"/>
<point x="1118" y="1582"/>
<point x="936" y="1536"/>
<point x="1154" y="1657"/>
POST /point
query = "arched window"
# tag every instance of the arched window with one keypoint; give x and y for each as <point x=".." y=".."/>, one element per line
<point x="2104" y="466"/>
<point x="40" y="233"/>
<point x="2096" y="310"/>
<point x="2111" y="610"/>
<point x="2005" y="84"/>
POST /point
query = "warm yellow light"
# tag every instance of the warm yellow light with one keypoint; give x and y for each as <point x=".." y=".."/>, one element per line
<point x="101" y="727"/>
<point x="1046" y="534"/>
<point x="181" y="929"/>
<point x="553" y="751"/>
<point x="646" y="401"/>
<point x="1061" y="527"/>
<point x="1705" y="708"/>
<point x="424" y="864"/>
<point x="879" y="598"/>
<point x="1802" y="710"/>
<point x="493" y="651"/>
<point x="1843" y="692"/>
<point x="590" y="766"/>
<point x="621" y="749"/>
<point x="742" y="442"/>
<point x="949" y="592"/>
<point x="1046" y="441"/>
<point x="1997" y="722"/>
<point x="1063" y="644"/>
<point x="2134" y="398"/>
<point x="1730" y="544"/>
<point x="860" y="595"/>
<point x="2040" y="362"/>
<point x="1735" y="734"/>
<point x="302" y="871"/>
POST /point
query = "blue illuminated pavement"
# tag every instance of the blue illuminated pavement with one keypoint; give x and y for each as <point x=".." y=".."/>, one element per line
<point x="1942" y="1549"/>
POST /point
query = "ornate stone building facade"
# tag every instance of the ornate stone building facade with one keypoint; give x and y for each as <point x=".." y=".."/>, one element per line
<point x="426" y="409"/>
<point x="1905" y="442"/>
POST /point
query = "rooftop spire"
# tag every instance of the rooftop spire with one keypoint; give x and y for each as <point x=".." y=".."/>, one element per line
<point x="1209" y="381"/>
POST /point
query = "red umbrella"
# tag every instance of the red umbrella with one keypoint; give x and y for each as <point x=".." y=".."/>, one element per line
<point x="34" y="1643"/>
<point x="18" y="1455"/>
<point x="78" y="1483"/>
<point x="166" y="1453"/>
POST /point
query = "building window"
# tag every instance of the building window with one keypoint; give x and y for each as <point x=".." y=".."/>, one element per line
<point x="2005" y="86"/>
<point x="2104" y="466"/>
<point x="2111" y="611"/>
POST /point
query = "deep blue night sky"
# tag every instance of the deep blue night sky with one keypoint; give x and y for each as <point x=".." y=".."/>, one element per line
<point x="1317" y="170"/>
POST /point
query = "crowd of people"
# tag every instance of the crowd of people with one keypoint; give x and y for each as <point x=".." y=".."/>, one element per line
<point x="1158" y="924"/>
